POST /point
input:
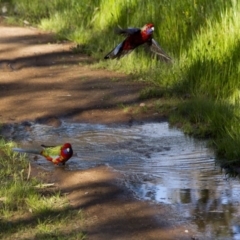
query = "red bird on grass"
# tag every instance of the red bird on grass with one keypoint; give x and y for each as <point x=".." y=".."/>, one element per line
<point x="54" y="154"/>
<point x="136" y="37"/>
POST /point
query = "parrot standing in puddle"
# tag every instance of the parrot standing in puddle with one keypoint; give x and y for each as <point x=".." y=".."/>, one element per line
<point x="136" y="37"/>
<point x="54" y="154"/>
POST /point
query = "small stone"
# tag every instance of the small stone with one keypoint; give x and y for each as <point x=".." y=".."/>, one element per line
<point x="26" y="22"/>
<point x="142" y="105"/>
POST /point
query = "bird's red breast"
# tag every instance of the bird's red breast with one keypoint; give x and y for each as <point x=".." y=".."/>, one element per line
<point x="139" y="37"/>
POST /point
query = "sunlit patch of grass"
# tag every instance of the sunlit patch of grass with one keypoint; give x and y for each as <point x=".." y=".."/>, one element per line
<point x="28" y="212"/>
<point x="15" y="194"/>
<point x="66" y="224"/>
<point x="41" y="204"/>
<point x="213" y="66"/>
<point x="61" y="226"/>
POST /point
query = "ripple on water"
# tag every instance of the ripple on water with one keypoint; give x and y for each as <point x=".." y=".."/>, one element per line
<point x="159" y="164"/>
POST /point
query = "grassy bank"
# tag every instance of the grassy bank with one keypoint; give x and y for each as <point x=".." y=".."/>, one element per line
<point x="27" y="209"/>
<point x="203" y="37"/>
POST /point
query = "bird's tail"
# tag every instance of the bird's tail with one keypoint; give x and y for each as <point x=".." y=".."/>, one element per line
<point x="32" y="151"/>
<point x="115" y="53"/>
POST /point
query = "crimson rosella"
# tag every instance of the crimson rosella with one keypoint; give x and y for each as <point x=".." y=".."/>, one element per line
<point x="136" y="37"/>
<point x="54" y="154"/>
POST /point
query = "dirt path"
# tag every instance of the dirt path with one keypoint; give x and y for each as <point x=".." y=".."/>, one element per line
<point x="42" y="80"/>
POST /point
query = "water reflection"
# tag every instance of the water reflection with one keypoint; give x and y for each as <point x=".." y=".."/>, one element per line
<point x="159" y="164"/>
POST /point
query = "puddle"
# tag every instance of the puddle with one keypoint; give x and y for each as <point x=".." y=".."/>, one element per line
<point x="159" y="164"/>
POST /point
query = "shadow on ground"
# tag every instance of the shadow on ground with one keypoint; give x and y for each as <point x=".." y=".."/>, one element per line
<point x="41" y="79"/>
<point x="110" y="212"/>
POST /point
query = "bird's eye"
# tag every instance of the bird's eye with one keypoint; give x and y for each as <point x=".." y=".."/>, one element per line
<point x="68" y="149"/>
<point x="152" y="28"/>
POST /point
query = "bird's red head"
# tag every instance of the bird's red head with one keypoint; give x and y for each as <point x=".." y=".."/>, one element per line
<point x="148" y="28"/>
<point x="66" y="151"/>
<point x="149" y="25"/>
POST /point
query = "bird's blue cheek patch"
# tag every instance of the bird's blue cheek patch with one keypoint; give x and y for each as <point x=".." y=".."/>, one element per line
<point x="67" y="151"/>
<point x="150" y="31"/>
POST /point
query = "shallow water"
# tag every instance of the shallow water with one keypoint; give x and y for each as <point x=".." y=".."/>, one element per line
<point x="159" y="163"/>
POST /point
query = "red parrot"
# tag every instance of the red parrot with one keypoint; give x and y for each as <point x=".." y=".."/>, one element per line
<point x="136" y="37"/>
<point x="54" y="154"/>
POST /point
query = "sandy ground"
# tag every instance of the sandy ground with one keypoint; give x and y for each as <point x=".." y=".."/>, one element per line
<point x="42" y="80"/>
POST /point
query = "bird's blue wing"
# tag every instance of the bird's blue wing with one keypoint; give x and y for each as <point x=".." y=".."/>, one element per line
<point x="127" y="31"/>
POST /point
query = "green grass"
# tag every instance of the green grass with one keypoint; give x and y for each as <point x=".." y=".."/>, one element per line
<point x="203" y="38"/>
<point x="30" y="212"/>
